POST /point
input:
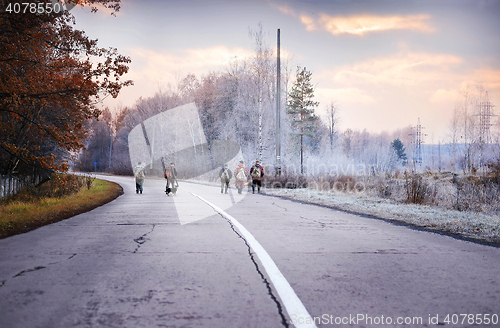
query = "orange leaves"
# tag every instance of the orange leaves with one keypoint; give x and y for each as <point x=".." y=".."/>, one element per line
<point x="48" y="87"/>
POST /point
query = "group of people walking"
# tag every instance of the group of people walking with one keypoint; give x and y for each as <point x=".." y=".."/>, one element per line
<point x="241" y="175"/>
<point x="170" y="175"/>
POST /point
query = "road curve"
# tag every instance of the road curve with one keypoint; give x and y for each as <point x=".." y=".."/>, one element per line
<point x="155" y="261"/>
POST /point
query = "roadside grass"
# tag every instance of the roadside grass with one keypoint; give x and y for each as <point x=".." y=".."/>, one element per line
<point x="24" y="212"/>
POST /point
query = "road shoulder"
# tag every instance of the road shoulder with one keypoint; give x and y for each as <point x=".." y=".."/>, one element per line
<point x="472" y="226"/>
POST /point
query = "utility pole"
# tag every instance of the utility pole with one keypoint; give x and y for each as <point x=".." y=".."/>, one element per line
<point x="278" y="115"/>
<point x="110" y="145"/>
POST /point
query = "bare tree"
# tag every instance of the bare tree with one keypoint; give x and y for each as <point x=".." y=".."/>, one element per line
<point x="454" y="134"/>
<point x="332" y="119"/>
<point x="263" y="70"/>
<point x="347" y="142"/>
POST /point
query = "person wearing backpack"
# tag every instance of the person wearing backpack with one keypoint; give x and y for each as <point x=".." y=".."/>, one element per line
<point x="171" y="176"/>
<point x="139" y="174"/>
<point x="256" y="172"/>
<point x="225" y="176"/>
<point x="241" y="176"/>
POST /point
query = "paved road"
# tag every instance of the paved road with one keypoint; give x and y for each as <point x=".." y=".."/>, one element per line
<point x="155" y="261"/>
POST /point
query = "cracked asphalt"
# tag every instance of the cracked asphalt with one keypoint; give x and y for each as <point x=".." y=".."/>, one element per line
<point x="155" y="261"/>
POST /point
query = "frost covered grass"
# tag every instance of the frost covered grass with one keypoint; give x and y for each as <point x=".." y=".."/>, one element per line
<point x="388" y="199"/>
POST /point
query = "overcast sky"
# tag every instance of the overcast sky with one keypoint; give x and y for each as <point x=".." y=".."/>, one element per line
<point x="384" y="63"/>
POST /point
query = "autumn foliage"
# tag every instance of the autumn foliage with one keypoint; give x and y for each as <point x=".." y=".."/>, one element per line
<point x="52" y="77"/>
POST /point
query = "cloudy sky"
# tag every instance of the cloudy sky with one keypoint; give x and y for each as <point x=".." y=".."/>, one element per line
<point x="385" y="63"/>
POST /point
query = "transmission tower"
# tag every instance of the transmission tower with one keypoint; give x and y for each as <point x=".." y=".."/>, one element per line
<point x="417" y="141"/>
<point x="485" y="115"/>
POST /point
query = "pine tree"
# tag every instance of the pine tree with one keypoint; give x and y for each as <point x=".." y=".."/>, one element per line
<point x="301" y="107"/>
<point x="399" y="148"/>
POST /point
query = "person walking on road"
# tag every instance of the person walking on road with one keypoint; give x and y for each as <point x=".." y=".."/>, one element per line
<point x="257" y="173"/>
<point x="168" y="190"/>
<point x="139" y="174"/>
<point x="241" y="176"/>
<point x="171" y="176"/>
<point x="225" y="176"/>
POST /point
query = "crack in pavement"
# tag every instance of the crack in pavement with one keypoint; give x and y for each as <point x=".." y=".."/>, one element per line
<point x="387" y="252"/>
<point x="69" y="258"/>
<point x="289" y="299"/>
<point x="283" y="208"/>
<point x="139" y="224"/>
<point x="322" y="224"/>
<point x="29" y="270"/>
<point x="40" y="267"/>
<point x="259" y="271"/>
<point x="141" y="240"/>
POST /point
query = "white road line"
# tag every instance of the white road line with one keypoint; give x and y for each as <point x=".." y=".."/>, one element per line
<point x="296" y="310"/>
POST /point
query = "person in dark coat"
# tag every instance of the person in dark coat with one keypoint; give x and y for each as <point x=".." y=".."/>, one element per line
<point x="225" y="176"/>
<point x="257" y="173"/>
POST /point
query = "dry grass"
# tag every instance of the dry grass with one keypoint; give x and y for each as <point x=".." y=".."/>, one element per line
<point x="29" y="211"/>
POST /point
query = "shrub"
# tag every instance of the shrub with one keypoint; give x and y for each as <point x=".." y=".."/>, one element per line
<point x="417" y="189"/>
<point x="286" y="181"/>
<point x="343" y="183"/>
<point x="346" y="183"/>
<point x="477" y="194"/>
<point x="58" y="185"/>
<point x="494" y="171"/>
<point x="384" y="190"/>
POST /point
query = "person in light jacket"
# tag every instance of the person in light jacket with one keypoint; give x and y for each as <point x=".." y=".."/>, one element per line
<point x="225" y="176"/>
<point x="241" y="176"/>
<point x="139" y="174"/>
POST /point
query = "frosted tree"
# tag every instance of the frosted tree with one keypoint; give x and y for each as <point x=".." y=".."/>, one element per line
<point x="465" y="128"/>
<point x="454" y="135"/>
<point x="262" y="70"/>
<point x="332" y="121"/>
<point x="187" y="88"/>
<point x="465" y="106"/>
<point x="347" y="142"/>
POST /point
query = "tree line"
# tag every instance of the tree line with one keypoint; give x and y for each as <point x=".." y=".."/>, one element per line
<point x="239" y="104"/>
<point x="53" y="77"/>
